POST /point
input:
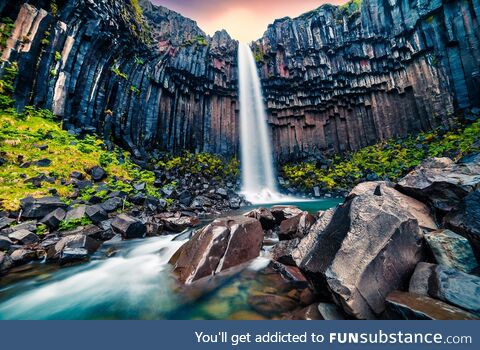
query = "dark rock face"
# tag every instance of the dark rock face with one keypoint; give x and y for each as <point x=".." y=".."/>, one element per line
<point x="407" y="306"/>
<point x="333" y="80"/>
<point x="129" y="227"/>
<point x="38" y="208"/>
<point x="224" y="243"/>
<point x="370" y="247"/>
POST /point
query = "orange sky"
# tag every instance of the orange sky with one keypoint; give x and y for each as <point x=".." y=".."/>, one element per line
<point x="245" y="20"/>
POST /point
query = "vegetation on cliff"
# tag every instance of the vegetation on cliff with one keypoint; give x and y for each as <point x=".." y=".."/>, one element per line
<point x="390" y="159"/>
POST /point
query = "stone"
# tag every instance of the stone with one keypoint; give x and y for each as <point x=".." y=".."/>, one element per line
<point x="5" y="262"/>
<point x="370" y="247"/>
<point x="129" y="227"/>
<point x="330" y="312"/>
<point x="5" y="222"/>
<point x="23" y="256"/>
<point x="308" y="313"/>
<point x="40" y="207"/>
<point x="201" y="202"/>
<point x="76" y="213"/>
<point x="283" y="212"/>
<point x="77" y="175"/>
<point x="112" y="204"/>
<point x="74" y="247"/>
<point x="264" y="216"/>
<point x="441" y="183"/>
<point x="457" y="288"/>
<point x="185" y="197"/>
<point x="179" y="224"/>
<point x="465" y="220"/>
<point x="235" y="202"/>
<point x="222" y="192"/>
<point x="24" y="237"/>
<point x="140" y="186"/>
<point x="5" y="243"/>
<point x="96" y="213"/>
<point x="27" y="225"/>
<point x="452" y="250"/>
<point x="296" y="226"/>
<point x="408" y="306"/>
<point x="54" y="218"/>
<point x="45" y="162"/>
<point x="225" y="243"/>
<point x="419" y="282"/>
<point x="97" y="173"/>
<point x="271" y="304"/>
<point x="282" y="251"/>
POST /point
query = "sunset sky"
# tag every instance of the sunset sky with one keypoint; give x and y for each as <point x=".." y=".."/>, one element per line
<point x="245" y="20"/>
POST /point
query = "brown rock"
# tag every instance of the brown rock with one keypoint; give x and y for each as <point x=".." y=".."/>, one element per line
<point x="271" y="304"/>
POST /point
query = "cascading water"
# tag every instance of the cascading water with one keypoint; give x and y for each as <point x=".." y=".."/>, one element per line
<point x="258" y="175"/>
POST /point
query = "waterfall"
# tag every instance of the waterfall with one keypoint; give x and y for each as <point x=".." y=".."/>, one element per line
<point x="258" y="175"/>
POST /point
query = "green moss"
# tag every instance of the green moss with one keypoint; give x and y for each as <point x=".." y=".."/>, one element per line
<point x="41" y="229"/>
<point x="351" y="7"/>
<point x="68" y="225"/>
<point x="391" y="159"/>
<point x="6" y="28"/>
<point x="119" y="73"/>
<point x="58" y="56"/>
<point x="7" y="86"/>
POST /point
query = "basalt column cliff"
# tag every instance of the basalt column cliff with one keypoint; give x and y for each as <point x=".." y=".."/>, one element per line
<point x="335" y="79"/>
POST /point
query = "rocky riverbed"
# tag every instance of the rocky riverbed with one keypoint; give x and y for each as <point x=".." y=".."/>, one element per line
<point x="397" y="251"/>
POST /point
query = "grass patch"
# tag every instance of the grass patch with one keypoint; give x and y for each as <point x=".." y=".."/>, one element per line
<point x="391" y="159"/>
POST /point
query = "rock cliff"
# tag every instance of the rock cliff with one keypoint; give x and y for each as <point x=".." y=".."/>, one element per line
<point x="335" y="79"/>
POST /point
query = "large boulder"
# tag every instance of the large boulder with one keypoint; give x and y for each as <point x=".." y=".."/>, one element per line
<point x="296" y="226"/>
<point x="465" y="220"/>
<point x="73" y="248"/>
<point x="452" y="250"/>
<point x="225" y="243"/>
<point x="23" y="237"/>
<point x="408" y="306"/>
<point x="263" y="215"/>
<point x="283" y="212"/>
<point x="128" y="226"/>
<point x="37" y="208"/>
<point x="441" y="182"/>
<point x="420" y="278"/>
<point x="369" y="248"/>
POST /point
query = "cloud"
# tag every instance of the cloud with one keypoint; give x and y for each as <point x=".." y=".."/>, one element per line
<point x="245" y="20"/>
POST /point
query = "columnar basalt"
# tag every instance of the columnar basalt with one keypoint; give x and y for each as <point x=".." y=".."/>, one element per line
<point x="335" y="79"/>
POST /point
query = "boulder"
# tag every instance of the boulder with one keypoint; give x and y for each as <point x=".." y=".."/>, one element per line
<point x="442" y="183"/>
<point x="39" y="207"/>
<point x="112" y="204"/>
<point x="5" y="222"/>
<point x="296" y="226"/>
<point x="5" y="243"/>
<point x="97" y="173"/>
<point x="330" y="311"/>
<point x="457" y="288"/>
<point x="201" y="202"/>
<point x="179" y="224"/>
<point x="129" y="227"/>
<point x="28" y="225"/>
<point x="282" y="251"/>
<point x="420" y="278"/>
<point x="369" y="248"/>
<point x="308" y="313"/>
<point x="283" y="212"/>
<point x="96" y="213"/>
<point x="23" y="256"/>
<point x="5" y="262"/>
<point x="68" y="247"/>
<point x="77" y="213"/>
<point x="225" y="243"/>
<point x="271" y="304"/>
<point x="452" y="250"/>
<point x="24" y="237"/>
<point x="408" y="306"/>
<point x="465" y="220"/>
<point x="264" y="216"/>
<point x="235" y="203"/>
<point x="54" y="218"/>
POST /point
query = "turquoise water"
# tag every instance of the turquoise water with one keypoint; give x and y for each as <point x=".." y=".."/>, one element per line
<point x="135" y="282"/>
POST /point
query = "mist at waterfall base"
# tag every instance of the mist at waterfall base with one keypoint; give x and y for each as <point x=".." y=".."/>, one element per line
<point x="258" y="175"/>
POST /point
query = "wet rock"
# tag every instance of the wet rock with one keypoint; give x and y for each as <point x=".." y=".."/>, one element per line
<point x="225" y="243"/>
<point x="271" y="304"/>
<point x="452" y="250"/>
<point x="457" y="288"/>
<point x="5" y="262"/>
<point x="96" y="213"/>
<point x="23" y="256"/>
<point x="441" y="183"/>
<point x="24" y="237"/>
<point x="40" y="207"/>
<point x="331" y="312"/>
<point x="370" y="247"/>
<point x="73" y="247"/>
<point x="54" y="218"/>
<point x="465" y="220"/>
<point x="408" y="306"/>
<point x="129" y="227"/>
<point x="420" y="278"/>
<point x="282" y="252"/>
<point x="179" y="224"/>
<point x="5" y="243"/>
<point x="296" y="226"/>
<point x="283" y="212"/>
<point x="308" y="313"/>
<point x="201" y="202"/>
<point x="264" y="216"/>
<point x="112" y="204"/>
<point x="97" y="173"/>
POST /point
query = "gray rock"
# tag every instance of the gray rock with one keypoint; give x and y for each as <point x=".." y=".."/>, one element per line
<point x="97" y="173"/>
<point x="40" y="207"/>
<point x="5" y="222"/>
<point x="71" y="244"/>
<point x="96" y="213"/>
<point x="129" y="227"/>
<point x="77" y="213"/>
<point x="112" y="204"/>
<point x="331" y="312"/>
<point x="5" y="243"/>
<point x="452" y="250"/>
<point x="54" y="218"/>
<point x="419" y="283"/>
<point x="5" y="262"/>
<point x="24" y="237"/>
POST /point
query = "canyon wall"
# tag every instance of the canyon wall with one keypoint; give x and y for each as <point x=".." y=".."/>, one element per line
<point x="335" y="79"/>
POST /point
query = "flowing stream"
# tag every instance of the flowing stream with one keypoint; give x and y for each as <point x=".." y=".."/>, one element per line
<point x="258" y="176"/>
